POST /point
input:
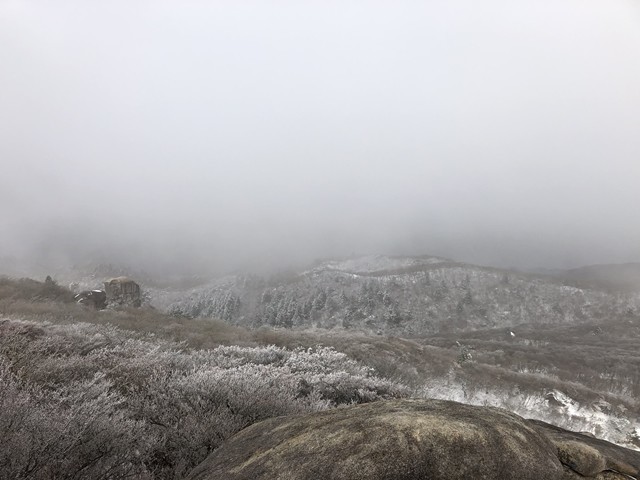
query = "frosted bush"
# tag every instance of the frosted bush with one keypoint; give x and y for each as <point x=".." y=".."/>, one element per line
<point x="76" y="432"/>
<point x="235" y="356"/>
<point x="109" y="403"/>
<point x="324" y="360"/>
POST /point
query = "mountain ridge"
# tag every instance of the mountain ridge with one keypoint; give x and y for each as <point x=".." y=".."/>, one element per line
<point x="405" y="296"/>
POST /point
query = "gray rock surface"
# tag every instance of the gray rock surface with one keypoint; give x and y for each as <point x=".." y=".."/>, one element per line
<point x="122" y="292"/>
<point x="587" y="455"/>
<point x="414" y="439"/>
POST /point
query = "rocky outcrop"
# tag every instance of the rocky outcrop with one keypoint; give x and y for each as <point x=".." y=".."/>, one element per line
<point x="414" y="440"/>
<point x="92" y="298"/>
<point x="122" y="292"/>
<point x="587" y="455"/>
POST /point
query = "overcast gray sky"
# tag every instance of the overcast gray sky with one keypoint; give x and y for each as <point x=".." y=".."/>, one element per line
<point x="223" y="133"/>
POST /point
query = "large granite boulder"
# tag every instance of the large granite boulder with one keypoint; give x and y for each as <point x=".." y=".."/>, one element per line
<point x="122" y="292"/>
<point x="413" y="440"/>
<point x="589" y="456"/>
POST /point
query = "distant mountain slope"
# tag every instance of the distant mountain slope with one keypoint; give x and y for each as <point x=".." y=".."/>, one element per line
<point x="400" y="295"/>
<point x="623" y="277"/>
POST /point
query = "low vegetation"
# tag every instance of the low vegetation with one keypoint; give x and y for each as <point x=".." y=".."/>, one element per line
<point x="80" y="400"/>
<point x="26" y="289"/>
<point x="135" y="392"/>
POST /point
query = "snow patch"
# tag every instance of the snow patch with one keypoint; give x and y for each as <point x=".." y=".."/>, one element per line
<point x="553" y="407"/>
<point x="376" y="263"/>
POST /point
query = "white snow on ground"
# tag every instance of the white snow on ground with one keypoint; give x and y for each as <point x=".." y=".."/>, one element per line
<point x="375" y="263"/>
<point x="553" y="407"/>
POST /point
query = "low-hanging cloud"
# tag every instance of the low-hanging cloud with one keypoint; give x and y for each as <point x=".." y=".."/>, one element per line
<point x="227" y="134"/>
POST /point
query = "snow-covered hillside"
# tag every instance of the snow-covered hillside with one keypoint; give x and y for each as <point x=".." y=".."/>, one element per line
<point x="400" y="295"/>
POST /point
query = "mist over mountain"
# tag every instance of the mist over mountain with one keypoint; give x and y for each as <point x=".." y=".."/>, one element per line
<point x="218" y="136"/>
<point x="621" y="277"/>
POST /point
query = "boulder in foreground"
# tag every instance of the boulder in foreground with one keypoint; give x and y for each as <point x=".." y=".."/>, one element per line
<point x="414" y="440"/>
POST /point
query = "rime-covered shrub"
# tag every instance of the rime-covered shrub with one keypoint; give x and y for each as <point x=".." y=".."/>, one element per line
<point x="93" y="401"/>
<point x="79" y="431"/>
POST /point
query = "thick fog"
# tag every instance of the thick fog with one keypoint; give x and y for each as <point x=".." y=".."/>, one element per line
<point x="214" y="135"/>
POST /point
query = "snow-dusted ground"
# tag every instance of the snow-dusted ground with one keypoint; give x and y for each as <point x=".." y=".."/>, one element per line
<point x="377" y="263"/>
<point x="600" y="418"/>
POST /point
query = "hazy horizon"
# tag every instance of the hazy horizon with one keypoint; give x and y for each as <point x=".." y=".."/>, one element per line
<point x="219" y="135"/>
